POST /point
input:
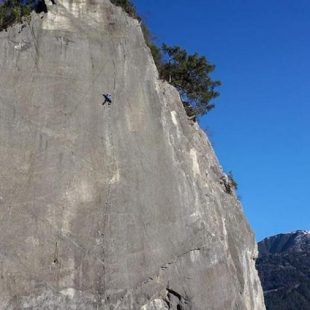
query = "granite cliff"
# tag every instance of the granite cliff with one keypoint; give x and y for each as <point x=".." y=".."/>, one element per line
<point x="109" y="207"/>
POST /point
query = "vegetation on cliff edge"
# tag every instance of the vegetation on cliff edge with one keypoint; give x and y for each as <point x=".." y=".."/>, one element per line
<point x="13" y="11"/>
<point x="190" y="74"/>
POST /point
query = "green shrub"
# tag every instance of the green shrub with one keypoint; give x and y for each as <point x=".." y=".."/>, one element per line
<point x="127" y="6"/>
<point x="229" y="183"/>
<point x="232" y="181"/>
<point x="13" y="11"/>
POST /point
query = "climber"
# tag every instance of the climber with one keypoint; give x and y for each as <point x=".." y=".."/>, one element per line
<point x="107" y="98"/>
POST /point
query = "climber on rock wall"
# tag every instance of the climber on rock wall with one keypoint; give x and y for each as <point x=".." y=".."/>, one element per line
<point x="107" y="98"/>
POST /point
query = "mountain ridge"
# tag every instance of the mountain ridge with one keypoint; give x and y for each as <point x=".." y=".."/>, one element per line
<point x="300" y="239"/>
<point x="284" y="269"/>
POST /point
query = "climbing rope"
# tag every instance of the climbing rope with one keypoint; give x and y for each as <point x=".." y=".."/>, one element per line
<point x="108" y="199"/>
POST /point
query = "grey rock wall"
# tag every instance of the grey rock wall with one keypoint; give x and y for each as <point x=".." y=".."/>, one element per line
<point x="109" y="207"/>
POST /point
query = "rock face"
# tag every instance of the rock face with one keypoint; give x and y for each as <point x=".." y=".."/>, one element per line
<point x="284" y="269"/>
<point x="109" y="207"/>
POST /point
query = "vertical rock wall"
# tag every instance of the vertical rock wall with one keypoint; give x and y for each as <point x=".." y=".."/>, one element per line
<point x="109" y="207"/>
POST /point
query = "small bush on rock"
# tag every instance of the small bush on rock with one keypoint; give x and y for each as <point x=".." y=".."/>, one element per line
<point x="13" y="11"/>
<point x="127" y="6"/>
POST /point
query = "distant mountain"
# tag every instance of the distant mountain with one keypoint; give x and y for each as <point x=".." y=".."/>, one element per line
<point x="284" y="269"/>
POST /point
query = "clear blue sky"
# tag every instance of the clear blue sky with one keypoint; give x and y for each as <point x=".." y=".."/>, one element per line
<point x="261" y="124"/>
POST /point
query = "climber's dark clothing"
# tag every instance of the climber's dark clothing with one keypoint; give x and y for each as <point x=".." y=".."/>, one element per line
<point x="107" y="98"/>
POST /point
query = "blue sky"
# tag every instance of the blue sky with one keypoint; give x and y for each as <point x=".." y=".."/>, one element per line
<point x="261" y="124"/>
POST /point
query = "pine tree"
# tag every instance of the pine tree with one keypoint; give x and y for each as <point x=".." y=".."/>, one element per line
<point x="190" y="74"/>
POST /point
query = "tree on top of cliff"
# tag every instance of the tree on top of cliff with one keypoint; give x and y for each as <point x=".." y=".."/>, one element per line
<point x="190" y="74"/>
<point x="14" y="11"/>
